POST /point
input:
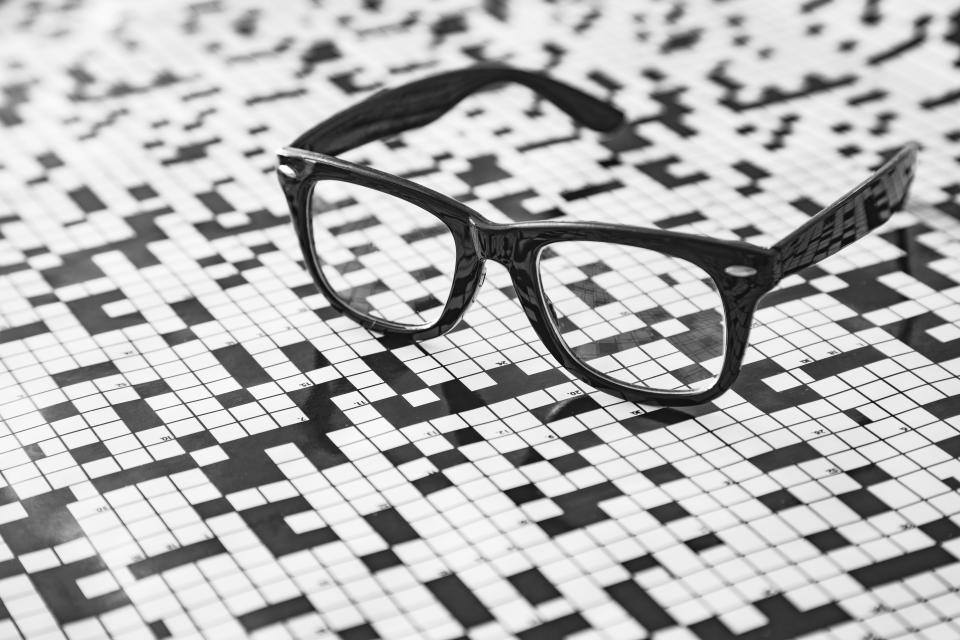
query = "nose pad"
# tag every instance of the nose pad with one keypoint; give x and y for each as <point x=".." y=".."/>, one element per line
<point x="473" y="296"/>
<point x="483" y="278"/>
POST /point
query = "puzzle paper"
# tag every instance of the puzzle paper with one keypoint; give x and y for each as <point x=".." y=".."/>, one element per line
<point x="193" y="443"/>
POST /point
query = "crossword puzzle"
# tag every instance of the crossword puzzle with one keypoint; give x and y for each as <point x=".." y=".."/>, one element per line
<point x="195" y="444"/>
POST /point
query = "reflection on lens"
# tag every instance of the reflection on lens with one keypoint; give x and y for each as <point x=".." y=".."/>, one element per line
<point x="643" y="318"/>
<point x="383" y="256"/>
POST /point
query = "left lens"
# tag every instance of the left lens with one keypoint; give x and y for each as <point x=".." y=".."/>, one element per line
<point x="642" y="318"/>
<point x="382" y="256"/>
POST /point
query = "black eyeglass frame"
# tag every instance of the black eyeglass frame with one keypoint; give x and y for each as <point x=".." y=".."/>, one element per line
<point x="743" y="273"/>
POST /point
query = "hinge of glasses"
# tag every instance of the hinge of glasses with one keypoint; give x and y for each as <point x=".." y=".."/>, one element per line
<point x="740" y="271"/>
<point x="287" y="171"/>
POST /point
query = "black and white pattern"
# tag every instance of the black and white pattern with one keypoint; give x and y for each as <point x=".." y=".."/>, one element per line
<point x="194" y="444"/>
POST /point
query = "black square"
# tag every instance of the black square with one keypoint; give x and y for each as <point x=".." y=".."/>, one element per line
<point x="556" y="526"/>
<point x="198" y="440"/>
<point x="460" y="437"/>
<point x="363" y="249"/>
<point x="654" y="420"/>
<point x="654" y="315"/>
<point x="941" y="530"/>
<point x="569" y="462"/>
<point x="46" y="298"/>
<point x="8" y="569"/>
<point x="828" y="540"/>
<point x="360" y="632"/>
<point x="159" y="629"/>
<point x="868" y="474"/>
<point x="153" y="388"/>
<point x="447" y="459"/>
<point x="34" y="452"/>
<point x="209" y="261"/>
<point x="266" y="247"/>
<point x="232" y="281"/>
<point x="864" y="502"/>
<point x="533" y="586"/>
<point x="747" y="232"/>
<point x="59" y="411"/>
<point x="857" y="416"/>
<point x="642" y="563"/>
<point x="663" y="474"/>
<point x="432" y="482"/>
<point x="520" y="457"/>
<point x="235" y="398"/>
<point x="595" y="268"/>
<point x="582" y="440"/>
<point x="403" y="453"/>
<point x="252" y="263"/>
<point x="142" y="192"/>
<point x="49" y="160"/>
<point x="426" y="273"/>
<point x="90" y="452"/>
<point x="191" y="311"/>
<point x="391" y="526"/>
<point x="669" y="280"/>
<point x="524" y="493"/>
<point x="179" y="337"/>
<point x="211" y="508"/>
<point x="86" y="199"/>
<point x="7" y="495"/>
<point x="849" y="150"/>
<point x="306" y="357"/>
<point x="137" y="415"/>
<point x="668" y="512"/>
<point x="380" y="560"/>
<point x="779" y="500"/>
<point x="704" y="542"/>
<point x="308" y="289"/>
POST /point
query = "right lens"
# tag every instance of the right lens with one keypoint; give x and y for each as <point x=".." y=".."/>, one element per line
<point x="644" y="318"/>
<point x="383" y="256"/>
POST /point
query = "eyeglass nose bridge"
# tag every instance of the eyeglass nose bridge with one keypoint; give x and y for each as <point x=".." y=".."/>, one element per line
<point x="495" y="242"/>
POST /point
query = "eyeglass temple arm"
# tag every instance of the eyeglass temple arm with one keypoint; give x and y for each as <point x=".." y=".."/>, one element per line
<point x="851" y="217"/>
<point x="413" y="105"/>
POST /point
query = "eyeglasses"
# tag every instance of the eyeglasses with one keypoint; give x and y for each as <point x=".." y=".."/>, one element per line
<point x="649" y="315"/>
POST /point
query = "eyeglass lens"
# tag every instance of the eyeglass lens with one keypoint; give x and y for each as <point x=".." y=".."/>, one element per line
<point x="382" y="256"/>
<point x="641" y="317"/>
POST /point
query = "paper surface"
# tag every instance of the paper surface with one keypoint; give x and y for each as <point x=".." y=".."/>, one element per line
<point x="194" y="444"/>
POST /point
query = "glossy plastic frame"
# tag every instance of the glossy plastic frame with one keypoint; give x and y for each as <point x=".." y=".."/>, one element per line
<point x="742" y="272"/>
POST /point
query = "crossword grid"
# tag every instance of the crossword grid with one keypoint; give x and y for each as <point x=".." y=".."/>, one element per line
<point x="194" y="444"/>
